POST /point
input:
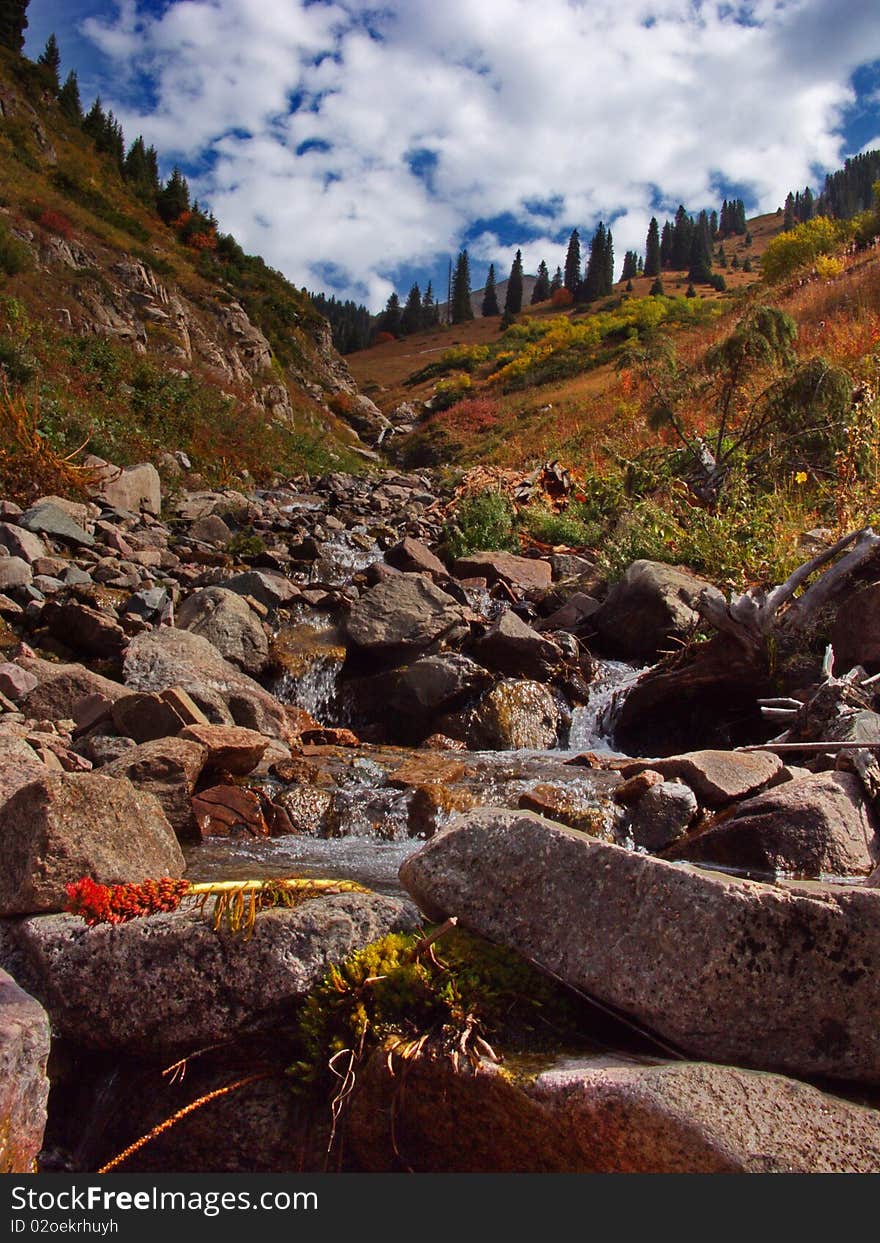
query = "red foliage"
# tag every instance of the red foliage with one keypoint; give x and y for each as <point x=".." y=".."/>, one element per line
<point x="116" y="904"/>
<point x="56" y="222"/>
<point x="562" y="297"/>
<point x="381" y="337"/>
<point x="203" y="241"/>
<point x="474" y="414"/>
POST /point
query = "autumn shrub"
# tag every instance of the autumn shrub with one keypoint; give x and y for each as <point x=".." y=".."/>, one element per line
<point x="802" y="245"/>
<point x="382" y="338"/>
<point x="14" y="255"/>
<point x="55" y="222"/>
<point x="562" y="297"/>
<point x="486" y="521"/>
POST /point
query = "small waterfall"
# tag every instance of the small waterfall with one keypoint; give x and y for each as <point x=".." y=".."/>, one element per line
<point x="589" y="729"/>
<point x="312" y="657"/>
<point x="343" y="555"/>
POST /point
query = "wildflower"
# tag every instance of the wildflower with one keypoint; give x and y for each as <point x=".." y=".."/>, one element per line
<point x="801" y="477"/>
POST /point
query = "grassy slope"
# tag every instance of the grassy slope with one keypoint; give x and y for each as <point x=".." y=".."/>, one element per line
<point x="54" y="186"/>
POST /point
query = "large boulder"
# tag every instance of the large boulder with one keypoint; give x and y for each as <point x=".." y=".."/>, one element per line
<point x="530" y="575"/>
<point x="593" y="1114"/>
<point x="167" y="768"/>
<point x="47" y="517"/>
<point x="650" y="605"/>
<point x="513" y="716"/>
<point x="814" y="826"/>
<point x="436" y="683"/>
<point x="159" y="659"/>
<point x="716" y="777"/>
<point x="63" y="826"/>
<point x="24" y="1086"/>
<point x="513" y="647"/>
<point x="84" y="629"/>
<point x="225" y="619"/>
<point x="133" y="488"/>
<point x="404" y="613"/>
<point x="61" y="688"/>
<point x="19" y="765"/>
<point x="170" y="984"/>
<point x="766" y="976"/>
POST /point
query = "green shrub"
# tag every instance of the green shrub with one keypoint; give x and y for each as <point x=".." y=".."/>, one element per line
<point x="486" y="521"/>
<point x="15" y="257"/>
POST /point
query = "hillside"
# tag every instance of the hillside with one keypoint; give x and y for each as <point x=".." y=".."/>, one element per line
<point x="136" y="338"/>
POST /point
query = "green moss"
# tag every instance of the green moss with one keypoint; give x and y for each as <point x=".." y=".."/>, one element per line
<point x="461" y="988"/>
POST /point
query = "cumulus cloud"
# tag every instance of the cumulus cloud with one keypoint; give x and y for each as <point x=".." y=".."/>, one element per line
<point x="370" y="140"/>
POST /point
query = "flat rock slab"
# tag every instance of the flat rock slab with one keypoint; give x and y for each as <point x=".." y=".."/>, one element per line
<point x="24" y="1086"/>
<point x="403" y="612"/>
<point x="529" y="574"/>
<point x="47" y="518"/>
<point x="601" y="1114"/>
<point x="61" y="687"/>
<point x="765" y="976"/>
<point x="716" y="777"/>
<point x="230" y="748"/>
<point x="167" y="768"/>
<point x="63" y="826"/>
<point x="814" y="826"/>
<point x="170" y="984"/>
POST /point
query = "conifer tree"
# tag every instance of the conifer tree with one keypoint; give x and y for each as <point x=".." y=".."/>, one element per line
<point x="461" y="290"/>
<point x="681" y="239"/>
<point x="572" y="278"/>
<point x="629" y="286"/>
<point x="608" y="264"/>
<point x="411" y="319"/>
<point x="389" y="320"/>
<point x="13" y="23"/>
<point x="490" y="295"/>
<point x="657" y="288"/>
<point x="652" y="249"/>
<point x="557" y="281"/>
<point x="666" y="238"/>
<point x="597" y="283"/>
<point x="69" y="100"/>
<point x="173" y="199"/>
<point x="541" y="290"/>
<point x="641" y="267"/>
<point x="95" y="121"/>
<point x="713" y="225"/>
<point x="630" y="266"/>
<point x="700" y="265"/>
<point x="50" y="59"/>
<point x="788" y="219"/>
<point x="513" y="301"/>
<point x="430" y="310"/>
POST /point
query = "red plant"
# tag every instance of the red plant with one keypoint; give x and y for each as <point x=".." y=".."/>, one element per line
<point x="381" y="337"/>
<point x="56" y="222"/>
<point x="562" y="297"/>
<point x="116" y="904"/>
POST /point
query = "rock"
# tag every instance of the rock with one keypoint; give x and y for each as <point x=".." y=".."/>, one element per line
<point x="309" y="809"/>
<point x="48" y="518"/>
<point x="772" y="977"/>
<point x="133" y="488"/>
<point x="167" y="768"/>
<point x="21" y="542"/>
<point x="269" y="589"/>
<point x="855" y="635"/>
<point x="61" y="827"/>
<point x="813" y="826"/>
<point x="229" y="748"/>
<point x="573" y="615"/>
<point x="516" y="716"/>
<point x="634" y="788"/>
<point x="210" y="530"/>
<point x="226" y="620"/>
<point x="146" y="717"/>
<point x="529" y="575"/>
<point x="169" y="984"/>
<point x="147" y="604"/>
<point x="19" y="765"/>
<point x="61" y="687"/>
<point x="15" y="682"/>
<point x="650" y="605"/>
<point x="601" y="1114"/>
<point x="513" y="647"/>
<point x="24" y="1085"/>
<point x="406" y="612"/>
<point x="569" y="805"/>
<point x="328" y="736"/>
<point x="412" y="555"/>
<point x="85" y="629"/>
<point x="662" y="815"/>
<point x="14" y="572"/>
<point x="224" y="810"/>
<point x="442" y="682"/>
<point x="420" y="770"/>
<point x="716" y="777"/>
<point x="166" y="658"/>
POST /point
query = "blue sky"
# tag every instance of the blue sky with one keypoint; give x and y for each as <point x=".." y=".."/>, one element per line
<point x="357" y="145"/>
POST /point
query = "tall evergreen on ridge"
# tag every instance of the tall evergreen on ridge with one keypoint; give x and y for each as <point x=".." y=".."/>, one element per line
<point x="13" y="23"/>
<point x="513" y="301"/>
<point x="541" y="288"/>
<point x="681" y="239"/>
<point x="50" y="59"/>
<point x="95" y="121"/>
<point x="700" y="265"/>
<point x="490" y="295"/>
<point x="608" y="264"/>
<point x="411" y="319"/>
<point x="461" y="290"/>
<point x="430" y="310"/>
<point x="389" y="320"/>
<point x="598" y="280"/>
<point x="173" y="199"/>
<point x="652" y="249"/>
<point x="630" y="266"/>
<point x="556" y="281"/>
<point x="572" y="277"/>
<point x="666" y="236"/>
<point x="69" y="101"/>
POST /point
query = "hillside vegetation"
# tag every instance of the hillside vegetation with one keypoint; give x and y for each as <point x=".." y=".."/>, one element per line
<point x="713" y="430"/>
<point x="134" y="337"/>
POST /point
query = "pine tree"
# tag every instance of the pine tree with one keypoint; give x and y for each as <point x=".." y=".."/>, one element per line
<point x="596" y="283"/>
<point x="411" y="319"/>
<point x="700" y="266"/>
<point x="681" y="239"/>
<point x="69" y="100"/>
<point x="630" y="266"/>
<point x="541" y="289"/>
<point x="657" y="288"/>
<point x="430" y="310"/>
<point x="572" y="278"/>
<point x="13" y="23"/>
<point x="50" y="59"/>
<point x="788" y="219"/>
<point x="173" y="199"/>
<point x="461" y="290"/>
<point x="713" y="225"/>
<point x="389" y="320"/>
<point x="641" y="267"/>
<point x="490" y="295"/>
<point x="608" y="265"/>
<point x="652" y="249"/>
<point x="629" y="286"/>
<point x="666" y="239"/>
<point x="95" y="121"/>
<point x="747" y="264"/>
<point x="513" y="301"/>
<point x="557" y="281"/>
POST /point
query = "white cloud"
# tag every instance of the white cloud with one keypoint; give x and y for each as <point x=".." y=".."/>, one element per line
<point x="596" y="106"/>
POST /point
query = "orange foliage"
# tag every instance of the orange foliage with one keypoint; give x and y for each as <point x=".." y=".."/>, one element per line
<point x="562" y="297"/>
<point x="56" y="222"/>
<point x="382" y="337"/>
